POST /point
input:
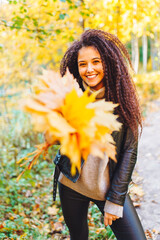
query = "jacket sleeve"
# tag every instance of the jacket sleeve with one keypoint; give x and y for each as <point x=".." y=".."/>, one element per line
<point x="124" y="168"/>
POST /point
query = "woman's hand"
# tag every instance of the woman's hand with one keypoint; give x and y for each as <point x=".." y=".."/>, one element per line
<point x="109" y="218"/>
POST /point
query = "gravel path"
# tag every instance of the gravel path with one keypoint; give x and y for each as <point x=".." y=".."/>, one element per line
<point x="148" y="168"/>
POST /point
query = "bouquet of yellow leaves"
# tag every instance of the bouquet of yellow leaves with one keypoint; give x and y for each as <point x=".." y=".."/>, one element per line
<point x="71" y="117"/>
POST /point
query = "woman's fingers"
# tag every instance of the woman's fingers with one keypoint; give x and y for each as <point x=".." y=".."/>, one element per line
<point x="110" y="222"/>
<point x="115" y="217"/>
<point x="107" y="221"/>
<point x="108" y="218"/>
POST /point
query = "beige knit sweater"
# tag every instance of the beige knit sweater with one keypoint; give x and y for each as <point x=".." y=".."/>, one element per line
<point x="94" y="178"/>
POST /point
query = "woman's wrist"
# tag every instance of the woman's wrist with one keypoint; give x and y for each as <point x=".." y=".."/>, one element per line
<point x="113" y="209"/>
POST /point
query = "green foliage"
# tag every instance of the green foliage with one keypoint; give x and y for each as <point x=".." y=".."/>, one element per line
<point x="23" y="201"/>
<point x="24" y="208"/>
<point x="96" y="225"/>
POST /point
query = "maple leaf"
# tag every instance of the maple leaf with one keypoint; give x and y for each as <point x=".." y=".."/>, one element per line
<point x="77" y="113"/>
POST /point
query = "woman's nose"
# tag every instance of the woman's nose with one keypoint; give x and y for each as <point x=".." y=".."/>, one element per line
<point x="89" y="68"/>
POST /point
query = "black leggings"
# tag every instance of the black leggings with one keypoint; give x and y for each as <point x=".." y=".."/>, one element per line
<point x="75" y="209"/>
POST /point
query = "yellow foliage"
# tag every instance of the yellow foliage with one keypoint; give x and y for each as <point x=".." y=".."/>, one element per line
<point x="148" y="85"/>
<point x="73" y="112"/>
<point x="72" y="118"/>
<point x="49" y="27"/>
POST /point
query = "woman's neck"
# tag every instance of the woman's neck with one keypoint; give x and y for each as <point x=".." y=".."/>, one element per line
<point x="100" y="92"/>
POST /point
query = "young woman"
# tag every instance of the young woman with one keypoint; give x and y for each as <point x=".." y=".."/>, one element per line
<point x="99" y="60"/>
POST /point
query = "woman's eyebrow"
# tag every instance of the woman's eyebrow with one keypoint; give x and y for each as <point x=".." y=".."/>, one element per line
<point x="81" y="61"/>
<point x="92" y="59"/>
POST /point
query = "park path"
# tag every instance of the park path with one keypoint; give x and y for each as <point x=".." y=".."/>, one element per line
<point x="148" y="167"/>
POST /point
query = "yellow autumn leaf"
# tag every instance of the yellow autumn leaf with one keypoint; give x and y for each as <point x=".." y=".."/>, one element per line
<point x="98" y="149"/>
<point x="59" y="85"/>
<point x="70" y="148"/>
<point x="106" y="119"/>
<point x="50" y="100"/>
<point x="52" y="210"/>
<point x="77" y="112"/>
<point x="40" y="122"/>
<point x="104" y="114"/>
<point x="101" y="105"/>
<point x="58" y="125"/>
<point x="32" y="106"/>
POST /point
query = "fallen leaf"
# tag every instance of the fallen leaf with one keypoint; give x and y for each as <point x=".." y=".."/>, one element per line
<point x="155" y="231"/>
<point x="28" y="193"/>
<point x="19" y="232"/>
<point x="148" y="234"/>
<point x="1" y="226"/>
<point x="137" y="189"/>
<point x="52" y="210"/>
<point x="26" y="220"/>
<point x="61" y="219"/>
<point x="22" y="214"/>
<point x="136" y="204"/>
<point x="44" y="229"/>
<point x="58" y="227"/>
<point x="99" y="230"/>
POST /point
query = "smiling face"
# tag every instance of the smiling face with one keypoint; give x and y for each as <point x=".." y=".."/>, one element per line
<point x="90" y="67"/>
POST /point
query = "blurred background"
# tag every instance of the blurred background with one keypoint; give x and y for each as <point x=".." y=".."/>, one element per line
<point x="34" y="34"/>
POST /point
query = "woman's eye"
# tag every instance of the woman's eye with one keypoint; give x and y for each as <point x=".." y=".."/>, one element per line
<point x="96" y="61"/>
<point x="82" y="64"/>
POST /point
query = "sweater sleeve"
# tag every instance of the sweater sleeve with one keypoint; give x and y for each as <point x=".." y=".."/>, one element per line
<point x="113" y="208"/>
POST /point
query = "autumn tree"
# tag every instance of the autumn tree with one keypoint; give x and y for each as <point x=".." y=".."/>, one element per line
<point x="35" y="34"/>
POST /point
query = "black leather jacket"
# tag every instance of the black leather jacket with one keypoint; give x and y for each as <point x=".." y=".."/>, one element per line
<point x="120" y="171"/>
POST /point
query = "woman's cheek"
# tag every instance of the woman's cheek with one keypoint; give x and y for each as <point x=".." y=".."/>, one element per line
<point x="82" y="73"/>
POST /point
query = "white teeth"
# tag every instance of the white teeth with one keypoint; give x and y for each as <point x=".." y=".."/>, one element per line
<point x="93" y="76"/>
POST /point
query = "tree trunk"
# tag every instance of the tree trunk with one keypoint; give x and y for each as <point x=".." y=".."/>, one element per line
<point x="154" y="52"/>
<point x="135" y="52"/>
<point x="144" y="44"/>
<point x="134" y="40"/>
<point x="5" y="114"/>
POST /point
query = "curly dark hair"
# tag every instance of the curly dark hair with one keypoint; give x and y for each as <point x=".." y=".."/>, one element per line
<point x="119" y="86"/>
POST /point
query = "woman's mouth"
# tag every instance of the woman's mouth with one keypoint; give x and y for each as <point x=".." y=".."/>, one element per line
<point x="91" y="76"/>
